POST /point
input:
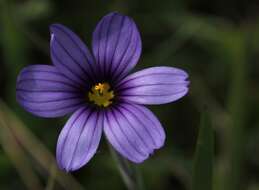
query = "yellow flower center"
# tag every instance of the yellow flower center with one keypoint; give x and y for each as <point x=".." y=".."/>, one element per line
<point x="101" y="94"/>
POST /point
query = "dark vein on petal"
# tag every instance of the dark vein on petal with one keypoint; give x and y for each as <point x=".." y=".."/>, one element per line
<point x="68" y="68"/>
<point x="134" y="129"/>
<point x="55" y="93"/>
<point x="99" y="45"/>
<point x="148" y="74"/>
<point x="114" y="73"/>
<point x="76" y="145"/>
<point x="106" y="42"/>
<point x="92" y="136"/>
<point x="51" y="72"/>
<point x="74" y="60"/>
<point x="70" y="128"/>
<point x="144" y="126"/>
<point x="148" y="95"/>
<point x="29" y="100"/>
<point x="81" y="51"/>
<point x="46" y="80"/>
<point x="116" y="45"/>
<point x="45" y="90"/>
<point x="42" y="71"/>
<point x="56" y="109"/>
<point x="125" y="66"/>
<point x="155" y="84"/>
<point x="147" y="117"/>
<point x="116" y="138"/>
<point x="123" y="132"/>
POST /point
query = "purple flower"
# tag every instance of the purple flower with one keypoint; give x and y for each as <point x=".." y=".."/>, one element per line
<point x="97" y="89"/>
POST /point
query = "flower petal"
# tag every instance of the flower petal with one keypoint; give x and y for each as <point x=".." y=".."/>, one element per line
<point x="79" y="139"/>
<point x="44" y="91"/>
<point x="156" y="85"/>
<point x="70" y="54"/>
<point x="116" y="45"/>
<point x="133" y="131"/>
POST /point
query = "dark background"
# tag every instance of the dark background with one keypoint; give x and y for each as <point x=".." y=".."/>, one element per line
<point x="216" y="42"/>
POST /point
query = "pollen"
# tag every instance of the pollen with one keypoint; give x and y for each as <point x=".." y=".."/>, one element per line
<point x="101" y="95"/>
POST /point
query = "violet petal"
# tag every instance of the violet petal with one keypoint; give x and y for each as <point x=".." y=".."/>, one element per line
<point x="44" y="91"/>
<point x="116" y="45"/>
<point x="79" y="139"/>
<point x="70" y="54"/>
<point x="156" y="85"/>
<point x="133" y="131"/>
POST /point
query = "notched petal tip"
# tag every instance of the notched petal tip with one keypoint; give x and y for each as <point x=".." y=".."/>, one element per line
<point x="53" y="29"/>
<point x="68" y="169"/>
<point x="114" y="13"/>
<point x="140" y="161"/>
<point x="55" y="26"/>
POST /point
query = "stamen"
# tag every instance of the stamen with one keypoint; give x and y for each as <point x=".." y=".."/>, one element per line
<point x="100" y="87"/>
<point x="101" y="95"/>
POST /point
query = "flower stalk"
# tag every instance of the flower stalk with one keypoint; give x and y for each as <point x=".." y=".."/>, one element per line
<point x="130" y="174"/>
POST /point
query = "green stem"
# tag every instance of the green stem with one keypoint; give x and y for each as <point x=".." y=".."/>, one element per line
<point x="51" y="181"/>
<point x="130" y="173"/>
<point x="237" y="107"/>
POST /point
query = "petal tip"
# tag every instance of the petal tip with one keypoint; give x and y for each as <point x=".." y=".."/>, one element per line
<point x="67" y="167"/>
<point x="158" y="146"/>
<point x="139" y="161"/>
<point x="52" y="27"/>
<point x="113" y="13"/>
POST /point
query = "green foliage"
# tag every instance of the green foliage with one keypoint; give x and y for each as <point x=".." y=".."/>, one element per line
<point x="203" y="164"/>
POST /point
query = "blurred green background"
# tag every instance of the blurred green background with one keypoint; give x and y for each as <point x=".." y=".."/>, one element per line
<point x="216" y="42"/>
